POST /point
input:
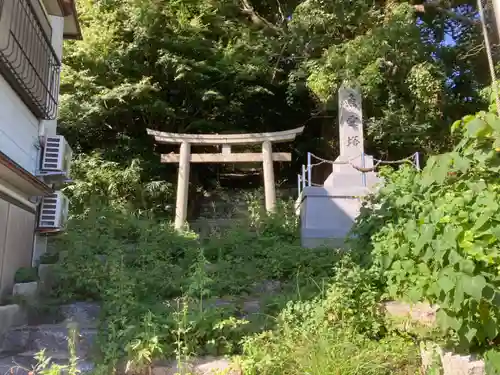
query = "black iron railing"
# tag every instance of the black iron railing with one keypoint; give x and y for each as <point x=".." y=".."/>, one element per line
<point x="27" y="60"/>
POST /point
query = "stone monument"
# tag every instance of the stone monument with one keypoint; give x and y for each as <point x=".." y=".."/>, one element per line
<point x="328" y="212"/>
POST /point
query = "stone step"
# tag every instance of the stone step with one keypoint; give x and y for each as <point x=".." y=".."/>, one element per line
<point x="23" y="363"/>
<point x="52" y="337"/>
<point x="197" y="366"/>
<point x="85" y="314"/>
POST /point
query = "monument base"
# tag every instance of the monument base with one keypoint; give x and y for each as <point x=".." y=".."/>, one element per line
<point x="332" y="243"/>
<point x="344" y="175"/>
<point x="328" y="213"/>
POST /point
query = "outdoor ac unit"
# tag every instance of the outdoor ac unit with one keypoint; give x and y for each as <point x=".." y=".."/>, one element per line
<point x="57" y="156"/>
<point x="53" y="211"/>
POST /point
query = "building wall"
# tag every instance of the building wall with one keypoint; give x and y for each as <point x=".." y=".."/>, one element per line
<point x="15" y="243"/>
<point x="49" y="127"/>
<point x="20" y="133"/>
<point x="18" y="129"/>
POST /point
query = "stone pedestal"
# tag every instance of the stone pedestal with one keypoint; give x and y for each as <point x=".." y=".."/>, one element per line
<point x="328" y="213"/>
<point x="25" y="290"/>
<point x="345" y="176"/>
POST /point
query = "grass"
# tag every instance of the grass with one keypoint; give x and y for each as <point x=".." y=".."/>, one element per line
<point x="329" y="351"/>
<point x="139" y="269"/>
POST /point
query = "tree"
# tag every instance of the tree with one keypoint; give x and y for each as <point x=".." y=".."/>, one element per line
<point x="247" y="66"/>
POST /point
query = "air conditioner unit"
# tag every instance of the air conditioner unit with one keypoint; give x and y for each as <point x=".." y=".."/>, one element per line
<point x="57" y="157"/>
<point x="53" y="211"/>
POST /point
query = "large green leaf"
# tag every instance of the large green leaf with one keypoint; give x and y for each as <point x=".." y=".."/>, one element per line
<point x="483" y="219"/>
<point x="493" y="121"/>
<point x="461" y="163"/>
<point x="491" y="328"/>
<point x="473" y="285"/>
<point x="440" y="171"/>
<point x="447" y="320"/>
<point x="426" y="235"/>
<point x="477" y="127"/>
<point x="467" y="266"/>
<point x="446" y="284"/>
<point x="454" y="257"/>
<point x="450" y="234"/>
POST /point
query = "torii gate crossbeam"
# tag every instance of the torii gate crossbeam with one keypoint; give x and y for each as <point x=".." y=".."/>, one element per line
<point x="185" y="158"/>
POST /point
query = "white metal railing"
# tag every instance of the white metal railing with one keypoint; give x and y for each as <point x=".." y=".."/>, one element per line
<point x="305" y="178"/>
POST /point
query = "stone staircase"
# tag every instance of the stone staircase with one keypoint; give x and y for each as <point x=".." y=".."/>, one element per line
<point x="222" y="210"/>
<point x="23" y="335"/>
<point x="19" y="344"/>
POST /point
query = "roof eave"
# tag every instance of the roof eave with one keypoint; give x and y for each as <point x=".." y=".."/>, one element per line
<point x="20" y="177"/>
<point x="68" y="8"/>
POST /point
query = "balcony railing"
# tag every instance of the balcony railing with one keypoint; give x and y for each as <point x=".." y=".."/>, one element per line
<point x="27" y="60"/>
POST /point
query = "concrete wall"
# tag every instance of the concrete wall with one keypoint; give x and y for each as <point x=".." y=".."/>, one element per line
<point x="16" y="243"/>
<point x="18" y="129"/>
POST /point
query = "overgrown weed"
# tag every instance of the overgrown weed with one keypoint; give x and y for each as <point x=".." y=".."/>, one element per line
<point x="339" y="332"/>
<point x="138" y="267"/>
<point x="434" y="235"/>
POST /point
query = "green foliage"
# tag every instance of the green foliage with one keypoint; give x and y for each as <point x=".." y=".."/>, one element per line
<point x="107" y="239"/>
<point x="26" y="275"/>
<point x="148" y="276"/>
<point x="327" y="351"/>
<point x="194" y="67"/>
<point x="353" y="298"/>
<point x="244" y="66"/>
<point x="492" y="362"/>
<point x="101" y="182"/>
<point x="325" y="335"/>
<point x="435" y="235"/>
<point x="49" y="258"/>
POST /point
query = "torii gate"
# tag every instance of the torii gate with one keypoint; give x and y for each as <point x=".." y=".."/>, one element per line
<point x="226" y="141"/>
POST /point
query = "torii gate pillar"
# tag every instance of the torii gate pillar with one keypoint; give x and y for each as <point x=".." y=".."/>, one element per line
<point x="185" y="158"/>
<point x="269" y="189"/>
<point x="182" y="185"/>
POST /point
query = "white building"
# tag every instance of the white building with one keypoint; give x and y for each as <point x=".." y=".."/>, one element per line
<point x="33" y="161"/>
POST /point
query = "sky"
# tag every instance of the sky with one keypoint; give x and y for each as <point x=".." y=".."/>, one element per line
<point x="448" y="40"/>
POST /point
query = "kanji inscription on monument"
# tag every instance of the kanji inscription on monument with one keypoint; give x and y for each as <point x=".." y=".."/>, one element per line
<point x="353" y="141"/>
<point x="350" y="122"/>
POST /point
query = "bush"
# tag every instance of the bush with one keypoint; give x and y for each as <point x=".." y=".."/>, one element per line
<point x="148" y="250"/>
<point x="327" y="351"/>
<point x="328" y="335"/>
<point x="49" y="258"/>
<point x="139" y="267"/>
<point x="435" y="235"/>
<point x="98" y="182"/>
<point x="26" y="275"/>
